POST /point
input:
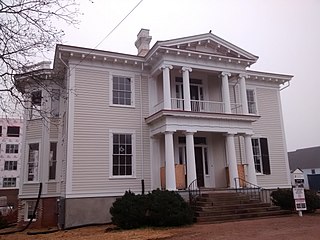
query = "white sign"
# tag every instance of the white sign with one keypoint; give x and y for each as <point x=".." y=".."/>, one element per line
<point x="300" y="204"/>
<point x="298" y="193"/>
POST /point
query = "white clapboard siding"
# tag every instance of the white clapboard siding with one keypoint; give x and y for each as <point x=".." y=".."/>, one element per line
<point x="270" y="126"/>
<point x="94" y="118"/>
<point x="34" y="129"/>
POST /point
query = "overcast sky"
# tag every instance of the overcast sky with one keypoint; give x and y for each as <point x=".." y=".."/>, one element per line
<point x="285" y="34"/>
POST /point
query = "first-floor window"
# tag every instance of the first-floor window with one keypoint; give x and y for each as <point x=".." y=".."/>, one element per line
<point x="122" y="155"/>
<point x="10" y="165"/>
<point x="33" y="161"/>
<point x="9" y="182"/>
<point x="261" y="155"/>
<point x="30" y="206"/>
<point x="52" y="160"/>
<point x="12" y="148"/>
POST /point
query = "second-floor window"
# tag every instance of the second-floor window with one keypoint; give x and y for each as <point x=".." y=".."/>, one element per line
<point x="121" y="90"/>
<point x="10" y="165"/>
<point x="35" y="109"/>
<point x="13" y="131"/>
<point x="12" y="148"/>
<point x="251" y="101"/>
<point x="55" y="102"/>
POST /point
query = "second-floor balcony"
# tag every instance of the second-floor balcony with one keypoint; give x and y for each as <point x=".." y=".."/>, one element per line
<point x="199" y="106"/>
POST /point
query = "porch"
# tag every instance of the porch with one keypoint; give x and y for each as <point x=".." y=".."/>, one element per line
<point x="213" y="159"/>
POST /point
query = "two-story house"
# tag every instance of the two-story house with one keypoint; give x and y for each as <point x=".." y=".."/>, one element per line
<point x="187" y="111"/>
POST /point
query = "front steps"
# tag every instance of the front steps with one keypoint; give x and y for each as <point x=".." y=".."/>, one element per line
<point x="222" y="206"/>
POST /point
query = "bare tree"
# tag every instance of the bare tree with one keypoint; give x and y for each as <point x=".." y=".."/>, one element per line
<point x="28" y="28"/>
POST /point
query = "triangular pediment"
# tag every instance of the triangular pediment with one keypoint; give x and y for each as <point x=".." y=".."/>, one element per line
<point x="209" y="44"/>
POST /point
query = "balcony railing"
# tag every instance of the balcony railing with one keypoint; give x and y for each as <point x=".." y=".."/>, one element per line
<point x="199" y="106"/>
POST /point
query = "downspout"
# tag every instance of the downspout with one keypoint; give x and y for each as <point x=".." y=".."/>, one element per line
<point x="141" y="132"/>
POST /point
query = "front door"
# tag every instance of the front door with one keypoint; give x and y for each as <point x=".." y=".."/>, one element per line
<point x="198" y="152"/>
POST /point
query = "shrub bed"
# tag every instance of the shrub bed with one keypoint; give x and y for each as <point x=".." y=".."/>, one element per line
<point x="158" y="208"/>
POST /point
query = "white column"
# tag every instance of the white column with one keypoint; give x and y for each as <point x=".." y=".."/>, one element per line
<point x="243" y="93"/>
<point x="186" y="88"/>
<point x="169" y="158"/>
<point x="166" y="86"/>
<point x="252" y="177"/>
<point x="225" y="92"/>
<point x="232" y="160"/>
<point x="191" y="162"/>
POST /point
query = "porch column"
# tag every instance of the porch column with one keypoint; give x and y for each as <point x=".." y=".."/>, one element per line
<point x="169" y="159"/>
<point x="225" y="91"/>
<point x="252" y="177"/>
<point x="243" y="93"/>
<point x="166" y="86"/>
<point x="186" y="88"/>
<point x="232" y="160"/>
<point x="191" y="162"/>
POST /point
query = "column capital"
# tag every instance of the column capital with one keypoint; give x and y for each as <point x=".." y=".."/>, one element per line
<point x="189" y="132"/>
<point x="225" y="74"/>
<point x="164" y="66"/>
<point x="186" y="69"/>
<point x="243" y="75"/>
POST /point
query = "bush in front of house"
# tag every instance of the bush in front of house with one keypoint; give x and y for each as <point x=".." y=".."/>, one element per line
<point x="168" y="208"/>
<point x="3" y="222"/>
<point x="284" y="199"/>
<point x="158" y="208"/>
<point x="129" y="211"/>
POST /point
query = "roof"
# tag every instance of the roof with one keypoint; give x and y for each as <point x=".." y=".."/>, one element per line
<point x="305" y="158"/>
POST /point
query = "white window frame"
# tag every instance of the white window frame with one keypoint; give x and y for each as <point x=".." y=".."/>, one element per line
<point x="36" y="180"/>
<point x="11" y="165"/>
<point x="27" y="204"/>
<point x="255" y="100"/>
<point x="12" y="148"/>
<point x="125" y="75"/>
<point x="133" y="140"/>
<point x="9" y="180"/>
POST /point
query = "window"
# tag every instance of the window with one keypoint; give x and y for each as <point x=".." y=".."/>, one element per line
<point x="9" y="182"/>
<point x="55" y="102"/>
<point x="313" y="171"/>
<point x="122" y="155"/>
<point x="35" y="109"/>
<point x="13" y="131"/>
<point x="33" y="160"/>
<point x="30" y="207"/>
<point x="261" y="155"/>
<point x="12" y="148"/>
<point x="121" y="90"/>
<point x="52" y="161"/>
<point x="0" y="130"/>
<point x="251" y="101"/>
<point x="10" y="165"/>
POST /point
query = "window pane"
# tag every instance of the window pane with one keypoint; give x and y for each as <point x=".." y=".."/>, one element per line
<point x="122" y="159"/>
<point x="122" y="170"/>
<point x="128" y="170"/>
<point x="115" y="170"/>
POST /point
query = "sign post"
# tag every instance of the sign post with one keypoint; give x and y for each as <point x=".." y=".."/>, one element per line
<point x="298" y="191"/>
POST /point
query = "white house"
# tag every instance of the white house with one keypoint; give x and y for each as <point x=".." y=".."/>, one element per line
<point x="187" y="111"/>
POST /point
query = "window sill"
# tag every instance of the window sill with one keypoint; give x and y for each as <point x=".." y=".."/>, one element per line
<point x="122" y="106"/>
<point x="121" y="177"/>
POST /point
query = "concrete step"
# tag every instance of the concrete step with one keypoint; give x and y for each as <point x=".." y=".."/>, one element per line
<point x="236" y="211"/>
<point x="226" y="203"/>
<point x="233" y="217"/>
<point x="232" y="207"/>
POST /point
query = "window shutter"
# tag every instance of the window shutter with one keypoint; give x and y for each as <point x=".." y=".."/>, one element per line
<point x="265" y="156"/>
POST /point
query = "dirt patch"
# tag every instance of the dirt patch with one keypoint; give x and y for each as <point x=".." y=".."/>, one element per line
<point x="285" y="228"/>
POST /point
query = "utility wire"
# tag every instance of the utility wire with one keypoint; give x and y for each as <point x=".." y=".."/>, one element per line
<point x="107" y="35"/>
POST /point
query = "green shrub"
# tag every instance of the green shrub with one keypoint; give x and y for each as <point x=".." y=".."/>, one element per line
<point x="284" y="199"/>
<point x="129" y="211"/>
<point x="3" y="222"/>
<point x="168" y="208"/>
<point x="159" y="208"/>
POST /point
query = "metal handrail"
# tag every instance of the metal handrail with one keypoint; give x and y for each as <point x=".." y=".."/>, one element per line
<point x="194" y="192"/>
<point x="252" y="190"/>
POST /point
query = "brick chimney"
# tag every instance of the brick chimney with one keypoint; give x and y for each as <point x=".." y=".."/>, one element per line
<point x="143" y="42"/>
